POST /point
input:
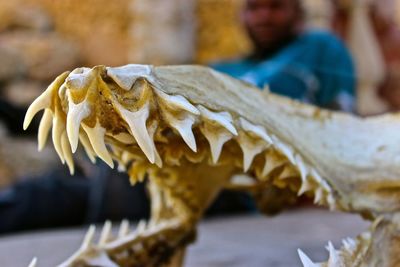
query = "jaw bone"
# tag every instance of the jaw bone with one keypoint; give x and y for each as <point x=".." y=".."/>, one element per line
<point x="347" y="162"/>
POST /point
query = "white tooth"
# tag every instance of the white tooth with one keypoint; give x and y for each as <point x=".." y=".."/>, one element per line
<point x="152" y="131"/>
<point x="88" y="239"/>
<point x="285" y="149"/>
<point x="184" y="127"/>
<point x="331" y="202"/>
<point x="33" y="262"/>
<point x="105" y="233"/>
<point x="319" y="192"/>
<point x="255" y="129"/>
<point x="178" y="101"/>
<point x="58" y="130"/>
<point x="137" y="124"/>
<point x="272" y="161"/>
<point x="87" y="146"/>
<point x="242" y="180"/>
<point x="319" y="180"/>
<point x="44" y="128"/>
<point x="96" y="137"/>
<point x="216" y="138"/>
<point x="67" y="153"/>
<point x="222" y="118"/>
<point x="126" y="76"/>
<point x="123" y="229"/>
<point x="334" y="260"/>
<point x="44" y="100"/>
<point x="76" y="113"/>
<point x="305" y="186"/>
<point x="250" y="150"/>
<point x="306" y="260"/>
<point x="302" y="167"/>
<point x="141" y="227"/>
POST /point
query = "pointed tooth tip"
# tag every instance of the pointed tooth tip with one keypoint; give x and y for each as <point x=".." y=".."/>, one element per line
<point x="33" y="263"/>
<point x="305" y="260"/>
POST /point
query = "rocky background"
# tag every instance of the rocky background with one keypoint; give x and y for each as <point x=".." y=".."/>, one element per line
<point x="42" y="38"/>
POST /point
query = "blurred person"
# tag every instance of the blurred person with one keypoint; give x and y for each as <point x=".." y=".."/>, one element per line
<point x="312" y="66"/>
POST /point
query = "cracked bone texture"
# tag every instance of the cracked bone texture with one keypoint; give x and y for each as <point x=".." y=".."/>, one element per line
<point x="163" y="120"/>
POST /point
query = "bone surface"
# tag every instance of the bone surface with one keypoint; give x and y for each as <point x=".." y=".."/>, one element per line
<point x="192" y="129"/>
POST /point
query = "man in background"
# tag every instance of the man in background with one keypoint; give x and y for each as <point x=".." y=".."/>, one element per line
<point x="307" y="65"/>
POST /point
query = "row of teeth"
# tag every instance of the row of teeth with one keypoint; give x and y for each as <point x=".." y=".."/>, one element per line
<point x="107" y="242"/>
<point x="217" y="127"/>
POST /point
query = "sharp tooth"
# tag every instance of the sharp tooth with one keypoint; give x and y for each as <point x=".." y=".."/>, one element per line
<point x="255" y="129"/>
<point x="331" y="202"/>
<point x="67" y="153"/>
<point x="88" y="239"/>
<point x="87" y="146"/>
<point x="334" y="260"/>
<point x="58" y="130"/>
<point x="44" y="100"/>
<point x="250" y="150"/>
<point x="319" y="180"/>
<point x="302" y="167"/>
<point x="105" y="233"/>
<point x="178" y="101"/>
<point x="319" y="193"/>
<point x="222" y="118"/>
<point x="123" y="229"/>
<point x="305" y="186"/>
<point x="44" y="128"/>
<point x="96" y="137"/>
<point x="306" y="260"/>
<point x="33" y="262"/>
<point x="76" y="113"/>
<point x="216" y="138"/>
<point x="272" y="161"/>
<point x="141" y="227"/>
<point x="137" y="124"/>
<point x="184" y="127"/>
<point x="126" y="76"/>
<point x="285" y="149"/>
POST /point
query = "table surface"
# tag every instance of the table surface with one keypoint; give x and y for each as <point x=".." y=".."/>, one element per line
<point x="230" y="241"/>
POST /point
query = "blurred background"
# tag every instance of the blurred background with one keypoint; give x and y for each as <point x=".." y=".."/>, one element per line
<point x="39" y="39"/>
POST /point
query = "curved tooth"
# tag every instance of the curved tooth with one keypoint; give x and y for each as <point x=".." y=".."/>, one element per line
<point x="305" y="260"/>
<point x="285" y="149"/>
<point x="123" y="229"/>
<point x="44" y="100"/>
<point x="137" y="124"/>
<point x="334" y="259"/>
<point x="305" y="186"/>
<point x="67" y="153"/>
<point x="288" y="172"/>
<point x="184" y="127"/>
<point x="96" y="138"/>
<point x="319" y="193"/>
<point x="33" y="262"/>
<point x="216" y="138"/>
<point x="331" y="202"/>
<point x="250" y="150"/>
<point x="76" y="113"/>
<point x="320" y="180"/>
<point x="141" y="227"/>
<point x="178" y="101"/>
<point x="127" y="75"/>
<point x="88" y="239"/>
<point x="255" y="129"/>
<point x="301" y="166"/>
<point x="58" y="130"/>
<point x="44" y="128"/>
<point x="105" y="233"/>
<point x="272" y="161"/>
<point x="222" y="118"/>
<point x="87" y="146"/>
